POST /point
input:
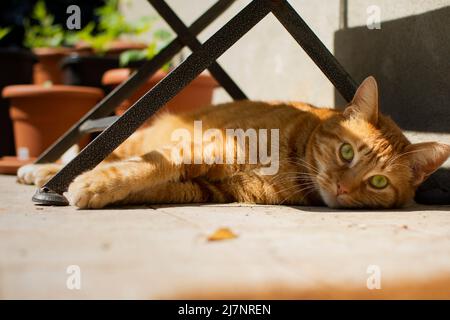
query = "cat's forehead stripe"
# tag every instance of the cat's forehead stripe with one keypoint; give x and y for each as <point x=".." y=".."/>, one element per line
<point x="330" y="134"/>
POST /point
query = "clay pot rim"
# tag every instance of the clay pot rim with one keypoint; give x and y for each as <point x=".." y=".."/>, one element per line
<point x="117" y="76"/>
<point x="33" y="90"/>
<point x="118" y="46"/>
<point x="10" y="164"/>
<point x="51" y="51"/>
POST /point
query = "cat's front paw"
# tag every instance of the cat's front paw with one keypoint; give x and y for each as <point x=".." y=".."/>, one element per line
<point x="26" y="174"/>
<point x="94" y="190"/>
<point x="37" y="174"/>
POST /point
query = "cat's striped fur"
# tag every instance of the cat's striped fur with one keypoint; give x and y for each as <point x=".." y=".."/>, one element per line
<point x="311" y="171"/>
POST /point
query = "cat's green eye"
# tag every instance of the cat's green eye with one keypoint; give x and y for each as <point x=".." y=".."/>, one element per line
<point x="347" y="152"/>
<point x="378" y="181"/>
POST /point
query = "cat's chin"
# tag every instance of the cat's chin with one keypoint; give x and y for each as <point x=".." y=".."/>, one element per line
<point x="331" y="200"/>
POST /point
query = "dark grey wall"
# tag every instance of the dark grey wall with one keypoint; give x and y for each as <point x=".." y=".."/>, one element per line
<point x="410" y="58"/>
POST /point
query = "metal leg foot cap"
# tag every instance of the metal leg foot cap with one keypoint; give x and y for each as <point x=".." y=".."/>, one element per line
<point x="47" y="197"/>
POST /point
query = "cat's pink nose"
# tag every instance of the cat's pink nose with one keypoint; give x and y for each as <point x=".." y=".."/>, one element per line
<point x="341" y="189"/>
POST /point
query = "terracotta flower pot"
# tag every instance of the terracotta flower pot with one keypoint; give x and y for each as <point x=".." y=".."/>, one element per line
<point x="86" y="70"/>
<point x="16" y="67"/>
<point x="10" y="165"/>
<point x="48" y="68"/>
<point x="41" y="114"/>
<point x="115" y="48"/>
<point x="119" y="46"/>
<point x="196" y="95"/>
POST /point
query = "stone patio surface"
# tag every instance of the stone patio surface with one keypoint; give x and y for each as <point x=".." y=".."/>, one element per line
<point x="163" y="251"/>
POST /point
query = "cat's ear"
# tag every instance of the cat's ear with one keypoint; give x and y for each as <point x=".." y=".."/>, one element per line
<point x="425" y="158"/>
<point x="365" y="101"/>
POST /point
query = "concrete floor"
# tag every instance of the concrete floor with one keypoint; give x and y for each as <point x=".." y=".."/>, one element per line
<point x="163" y="252"/>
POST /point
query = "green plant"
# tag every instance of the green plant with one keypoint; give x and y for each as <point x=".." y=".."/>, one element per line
<point x="44" y="33"/>
<point x="113" y="22"/>
<point x="159" y="38"/>
<point x="74" y="37"/>
<point x="112" y="26"/>
<point x="4" y="32"/>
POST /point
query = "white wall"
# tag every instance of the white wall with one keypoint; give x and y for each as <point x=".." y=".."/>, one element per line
<point x="390" y="9"/>
<point x="267" y="63"/>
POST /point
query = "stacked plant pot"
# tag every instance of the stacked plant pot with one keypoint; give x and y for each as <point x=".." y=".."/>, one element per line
<point x="194" y="96"/>
<point x="48" y="67"/>
<point x="41" y="114"/>
<point x="66" y="85"/>
<point x="87" y="68"/>
<point x="17" y="68"/>
<point x="43" y="111"/>
<point x="67" y="80"/>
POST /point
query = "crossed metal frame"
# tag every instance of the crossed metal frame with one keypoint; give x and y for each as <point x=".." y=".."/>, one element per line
<point x="203" y="57"/>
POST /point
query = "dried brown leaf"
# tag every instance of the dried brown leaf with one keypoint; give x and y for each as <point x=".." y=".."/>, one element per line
<point x="222" y="234"/>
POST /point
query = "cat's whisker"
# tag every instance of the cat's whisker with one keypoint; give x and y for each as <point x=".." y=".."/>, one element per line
<point x="298" y="161"/>
<point x="292" y="176"/>
<point x="292" y="196"/>
<point x="296" y="188"/>
<point x="300" y="178"/>
<point x="301" y="162"/>
<point x="296" y="192"/>
<point x="295" y="175"/>
<point x="292" y="187"/>
<point x="306" y="194"/>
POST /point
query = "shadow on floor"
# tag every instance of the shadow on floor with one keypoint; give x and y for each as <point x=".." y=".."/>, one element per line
<point x="430" y="287"/>
<point x="231" y="206"/>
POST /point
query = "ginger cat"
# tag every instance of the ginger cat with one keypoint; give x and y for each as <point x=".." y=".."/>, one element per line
<point x="357" y="158"/>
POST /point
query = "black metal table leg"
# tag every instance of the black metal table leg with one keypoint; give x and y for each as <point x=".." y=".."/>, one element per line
<point x="123" y="91"/>
<point x="153" y="100"/>
<point x="192" y="42"/>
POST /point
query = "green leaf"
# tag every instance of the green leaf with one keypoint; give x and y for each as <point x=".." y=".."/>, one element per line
<point x="162" y="35"/>
<point x="85" y="34"/>
<point x="131" y="55"/>
<point x="44" y="33"/>
<point x="113" y="25"/>
<point x="4" y="32"/>
<point x="40" y="11"/>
